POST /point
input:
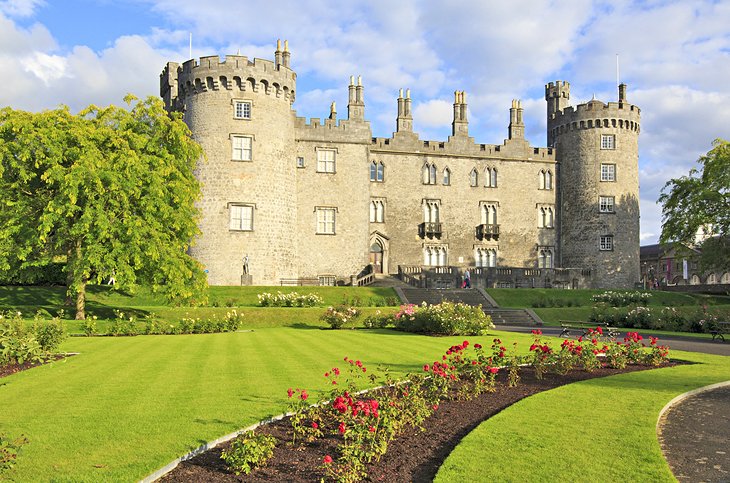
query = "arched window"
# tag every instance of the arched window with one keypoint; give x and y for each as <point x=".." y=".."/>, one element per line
<point x="431" y="212"/>
<point x="490" y="177"/>
<point x="473" y="178"/>
<point x="373" y="171"/>
<point x="380" y="175"/>
<point x="546" y="218"/>
<point x="546" y="179"/>
<point x="434" y="256"/>
<point x="486" y="257"/>
<point x="377" y="211"/>
<point x="447" y="176"/>
<point x="432" y="177"/>
<point x="425" y="173"/>
<point x="489" y="214"/>
<point x="545" y="258"/>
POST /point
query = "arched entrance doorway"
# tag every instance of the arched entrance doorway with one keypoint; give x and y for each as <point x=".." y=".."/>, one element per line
<point x="376" y="256"/>
<point x="379" y="252"/>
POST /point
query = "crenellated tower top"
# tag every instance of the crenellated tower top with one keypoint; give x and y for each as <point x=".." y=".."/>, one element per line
<point x="235" y="72"/>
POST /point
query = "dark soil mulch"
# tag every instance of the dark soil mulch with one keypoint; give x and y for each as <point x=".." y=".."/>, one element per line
<point x="13" y="368"/>
<point x="414" y="456"/>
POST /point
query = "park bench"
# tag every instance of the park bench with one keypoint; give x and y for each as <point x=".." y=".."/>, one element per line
<point x="719" y="331"/>
<point x="298" y="281"/>
<point x="569" y="326"/>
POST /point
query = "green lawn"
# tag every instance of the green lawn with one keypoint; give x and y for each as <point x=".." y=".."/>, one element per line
<point x="597" y="430"/>
<point x="102" y="300"/>
<point x="127" y="406"/>
<point x="520" y="297"/>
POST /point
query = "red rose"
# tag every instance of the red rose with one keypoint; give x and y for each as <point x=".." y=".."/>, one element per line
<point x="289" y="392"/>
<point x="426" y="368"/>
<point x="327" y="459"/>
<point x="315" y="425"/>
<point x="371" y="429"/>
<point x="341" y="429"/>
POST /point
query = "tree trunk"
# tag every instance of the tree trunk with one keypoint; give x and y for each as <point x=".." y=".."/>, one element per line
<point x="81" y="301"/>
<point x="69" y="302"/>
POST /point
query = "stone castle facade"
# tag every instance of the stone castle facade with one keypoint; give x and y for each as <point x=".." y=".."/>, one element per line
<point x="324" y="199"/>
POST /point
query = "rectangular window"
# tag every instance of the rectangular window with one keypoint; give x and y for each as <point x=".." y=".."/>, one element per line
<point x="242" y="110"/>
<point x="241" y="148"/>
<point x="377" y="211"/>
<point x="606" y="243"/>
<point x="325" y="160"/>
<point x="605" y="204"/>
<point x="300" y="162"/>
<point x="241" y="217"/>
<point x="608" y="141"/>
<point x="608" y="172"/>
<point x="326" y="221"/>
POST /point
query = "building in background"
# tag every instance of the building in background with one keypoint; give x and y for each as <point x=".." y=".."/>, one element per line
<point x="323" y="200"/>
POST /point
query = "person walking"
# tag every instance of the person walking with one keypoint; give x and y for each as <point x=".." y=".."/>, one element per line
<point x="467" y="279"/>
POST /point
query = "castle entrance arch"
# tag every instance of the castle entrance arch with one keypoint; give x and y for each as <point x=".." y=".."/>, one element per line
<point x="379" y="252"/>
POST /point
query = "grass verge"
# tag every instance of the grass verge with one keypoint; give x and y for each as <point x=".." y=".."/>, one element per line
<point x="596" y="430"/>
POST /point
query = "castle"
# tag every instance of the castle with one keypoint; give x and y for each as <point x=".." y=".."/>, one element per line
<point x="323" y="200"/>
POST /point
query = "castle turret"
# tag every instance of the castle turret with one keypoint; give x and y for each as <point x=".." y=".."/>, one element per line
<point x="248" y="179"/>
<point x="460" y="125"/>
<point x="598" y="185"/>
<point x="557" y="96"/>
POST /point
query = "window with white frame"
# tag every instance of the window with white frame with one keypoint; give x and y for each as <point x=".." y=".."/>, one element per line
<point x="485" y="257"/>
<point x="377" y="171"/>
<point x="605" y="243"/>
<point x="377" y="211"/>
<point x="325" y="220"/>
<point x="605" y="204"/>
<point x="546" y="217"/>
<point x="447" y="176"/>
<point x="488" y="210"/>
<point x="546" y="179"/>
<point x="240" y="217"/>
<point x="608" y="172"/>
<point x="431" y="210"/>
<point x="490" y="177"/>
<point x="241" y="148"/>
<point x="473" y="178"/>
<point x="545" y="257"/>
<point x="608" y="141"/>
<point x="326" y="160"/>
<point x="434" y="256"/>
<point x="242" y="109"/>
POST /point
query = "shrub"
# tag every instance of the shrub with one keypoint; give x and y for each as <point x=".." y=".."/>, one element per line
<point x="49" y="334"/>
<point x="9" y="449"/>
<point x="337" y="317"/>
<point x="249" y="451"/>
<point x="379" y="321"/>
<point x="622" y="299"/>
<point x="446" y="318"/>
<point x="292" y="299"/>
<point x="88" y="326"/>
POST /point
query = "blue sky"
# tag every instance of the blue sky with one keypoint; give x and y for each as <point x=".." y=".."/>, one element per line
<point x="674" y="56"/>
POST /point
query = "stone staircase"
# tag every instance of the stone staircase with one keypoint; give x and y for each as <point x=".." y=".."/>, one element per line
<point x="384" y="280"/>
<point x="500" y="316"/>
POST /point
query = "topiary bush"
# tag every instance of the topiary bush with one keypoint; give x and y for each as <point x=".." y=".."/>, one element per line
<point x="446" y="318"/>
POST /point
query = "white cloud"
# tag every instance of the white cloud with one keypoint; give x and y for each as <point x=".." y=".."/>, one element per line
<point x="47" y="68"/>
<point x="20" y="8"/>
<point x="433" y="113"/>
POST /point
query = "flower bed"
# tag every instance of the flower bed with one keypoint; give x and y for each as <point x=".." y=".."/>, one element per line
<point x="351" y="433"/>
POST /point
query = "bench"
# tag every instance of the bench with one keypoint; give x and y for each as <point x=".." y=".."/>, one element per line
<point x="298" y="281"/>
<point x="718" y="333"/>
<point x="584" y="327"/>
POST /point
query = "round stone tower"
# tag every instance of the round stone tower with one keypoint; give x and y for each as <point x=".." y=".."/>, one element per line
<point x="598" y="185"/>
<point x="240" y="111"/>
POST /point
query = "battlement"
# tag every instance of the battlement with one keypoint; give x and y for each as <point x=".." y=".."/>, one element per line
<point x="594" y="115"/>
<point x="518" y="149"/>
<point x="330" y="129"/>
<point x="236" y="72"/>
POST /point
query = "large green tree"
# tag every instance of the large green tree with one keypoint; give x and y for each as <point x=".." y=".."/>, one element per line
<point x="701" y="200"/>
<point x="110" y="192"/>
